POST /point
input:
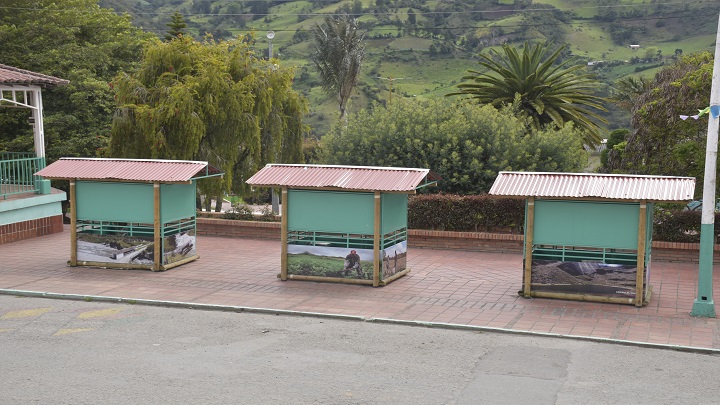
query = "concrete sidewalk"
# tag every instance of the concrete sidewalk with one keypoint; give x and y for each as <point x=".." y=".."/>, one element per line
<point x="469" y="289"/>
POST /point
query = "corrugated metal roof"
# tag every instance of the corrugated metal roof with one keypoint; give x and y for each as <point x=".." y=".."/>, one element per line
<point x="135" y="170"/>
<point x="13" y="75"/>
<point x="366" y="178"/>
<point x="591" y="185"/>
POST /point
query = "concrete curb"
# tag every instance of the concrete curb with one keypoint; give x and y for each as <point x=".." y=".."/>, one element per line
<point x="269" y="311"/>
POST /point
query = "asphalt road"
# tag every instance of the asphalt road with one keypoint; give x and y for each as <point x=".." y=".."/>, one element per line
<point x="75" y="352"/>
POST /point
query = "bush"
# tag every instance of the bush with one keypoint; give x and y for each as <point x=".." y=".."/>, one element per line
<point x="466" y="213"/>
<point x="244" y="212"/>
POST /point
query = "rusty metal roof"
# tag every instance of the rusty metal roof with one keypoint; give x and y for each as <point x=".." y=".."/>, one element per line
<point x="358" y="178"/>
<point x="13" y="75"/>
<point x="132" y="170"/>
<point x="592" y="185"/>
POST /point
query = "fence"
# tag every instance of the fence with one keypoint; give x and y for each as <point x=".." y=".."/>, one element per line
<point x="17" y="173"/>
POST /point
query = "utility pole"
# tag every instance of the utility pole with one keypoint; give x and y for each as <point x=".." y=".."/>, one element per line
<point x="704" y="305"/>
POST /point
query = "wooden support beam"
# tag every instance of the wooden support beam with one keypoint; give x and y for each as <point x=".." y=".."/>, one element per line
<point x="284" y="234"/>
<point x="73" y="224"/>
<point x="394" y="277"/>
<point x="157" y="263"/>
<point x="330" y="279"/>
<point x="376" y="239"/>
<point x="582" y="297"/>
<point x="641" y="248"/>
<point x="529" y="229"/>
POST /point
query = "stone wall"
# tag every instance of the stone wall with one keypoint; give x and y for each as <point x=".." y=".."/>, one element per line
<point x="425" y="239"/>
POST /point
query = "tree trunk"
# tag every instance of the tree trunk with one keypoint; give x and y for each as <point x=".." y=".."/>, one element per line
<point x="218" y="204"/>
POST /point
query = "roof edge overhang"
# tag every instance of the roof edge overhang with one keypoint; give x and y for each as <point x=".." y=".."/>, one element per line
<point x="349" y="190"/>
<point x="206" y="172"/>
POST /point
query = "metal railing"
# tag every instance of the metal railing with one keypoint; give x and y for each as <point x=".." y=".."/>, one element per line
<point x="17" y="173"/>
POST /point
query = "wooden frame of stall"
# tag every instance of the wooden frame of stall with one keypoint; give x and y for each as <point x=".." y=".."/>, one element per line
<point x="131" y="214"/>
<point x="322" y="221"/>
<point x="588" y="237"/>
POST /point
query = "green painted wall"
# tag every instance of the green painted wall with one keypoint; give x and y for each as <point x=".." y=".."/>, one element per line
<point x="115" y="201"/>
<point x="331" y="211"/>
<point x="177" y="201"/>
<point x="586" y="223"/>
<point x="28" y="209"/>
<point x="394" y="212"/>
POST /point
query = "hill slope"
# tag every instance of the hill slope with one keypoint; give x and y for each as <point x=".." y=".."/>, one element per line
<point x="422" y="48"/>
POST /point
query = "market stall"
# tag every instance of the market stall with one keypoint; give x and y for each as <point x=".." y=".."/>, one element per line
<point x="131" y="213"/>
<point x="588" y="236"/>
<point x="343" y="223"/>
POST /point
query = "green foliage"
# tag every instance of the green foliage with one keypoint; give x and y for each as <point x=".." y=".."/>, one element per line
<point x="210" y="101"/>
<point x="176" y="27"/>
<point x="661" y="142"/>
<point x="244" y="212"/>
<point x="467" y="144"/>
<point x="338" y="54"/>
<point x="616" y="137"/>
<point x="88" y="48"/>
<point x="450" y="212"/>
<point x="551" y="91"/>
<point x="674" y="225"/>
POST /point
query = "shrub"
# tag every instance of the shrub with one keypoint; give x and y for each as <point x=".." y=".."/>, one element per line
<point x="466" y="213"/>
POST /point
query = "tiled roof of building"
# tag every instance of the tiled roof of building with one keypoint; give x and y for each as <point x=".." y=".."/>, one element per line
<point x="131" y="170"/>
<point x="357" y="178"/>
<point x="592" y="185"/>
<point x="13" y="75"/>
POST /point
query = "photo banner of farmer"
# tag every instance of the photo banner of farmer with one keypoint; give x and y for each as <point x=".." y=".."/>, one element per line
<point x="323" y="261"/>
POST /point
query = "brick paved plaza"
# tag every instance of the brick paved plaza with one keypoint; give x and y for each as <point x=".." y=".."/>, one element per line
<point x="464" y="288"/>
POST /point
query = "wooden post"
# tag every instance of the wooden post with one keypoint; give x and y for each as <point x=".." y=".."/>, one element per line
<point x="284" y="235"/>
<point x="158" y="228"/>
<point x="641" y="247"/>
<point x="73" y="225"/>
<point x="376" y="240"/>
<point x="529" y="229"/>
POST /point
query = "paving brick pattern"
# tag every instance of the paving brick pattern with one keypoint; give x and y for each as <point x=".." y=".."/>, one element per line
<point x="456" y="287"/>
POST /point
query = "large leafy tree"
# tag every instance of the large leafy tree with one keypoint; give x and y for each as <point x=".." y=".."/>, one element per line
<point x="467" y="144"/>
<point x="551" y="91"/>
<point x="661" y="142"/>
<point x="211" y="101"/>
<point x="338" y="54"/>
<point x="74" y="40"/>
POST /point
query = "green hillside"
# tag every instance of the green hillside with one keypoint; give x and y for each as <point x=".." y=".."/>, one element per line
<point x="422" y="48"/>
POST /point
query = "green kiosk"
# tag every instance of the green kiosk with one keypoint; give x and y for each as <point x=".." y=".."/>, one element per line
<point x="343" y="224"/>
<point x="131" y="213"/>
<point x="588" y="236"/>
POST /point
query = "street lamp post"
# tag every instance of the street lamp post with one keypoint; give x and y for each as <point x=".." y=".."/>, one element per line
<point x="704" y="305"/>
<point x="270" y="35"/>
<point x="274" y="198"/>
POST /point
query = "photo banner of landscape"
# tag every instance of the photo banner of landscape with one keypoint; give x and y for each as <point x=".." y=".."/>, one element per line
<point x="136" y="250"/>
<point x="324" y="261"/>
<point x="587" y="278"/>
<point x="116" y="249"/>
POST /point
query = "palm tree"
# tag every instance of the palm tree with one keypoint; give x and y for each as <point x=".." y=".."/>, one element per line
<point x="629" y="89"/>
<point x="549" y="91"/>
<point x="338" y="53"/>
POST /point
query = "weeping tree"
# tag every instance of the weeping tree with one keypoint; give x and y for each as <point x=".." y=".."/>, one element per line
<point x="210" y="101"/>
<point x="338" y="54"/>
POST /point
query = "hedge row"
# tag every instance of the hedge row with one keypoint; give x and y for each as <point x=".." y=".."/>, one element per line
<point x="485" y="213"/>
<point x="466" y="213"/>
